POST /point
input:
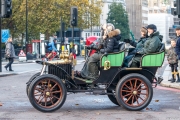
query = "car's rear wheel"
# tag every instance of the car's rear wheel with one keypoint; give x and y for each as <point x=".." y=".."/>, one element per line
<point x="134" y="92"/>
<point x="112" y="97"/>
<point x="47" y="93"/>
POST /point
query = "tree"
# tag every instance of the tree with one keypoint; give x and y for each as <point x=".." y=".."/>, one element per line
<point x="119" y="18"/>
<point x="44" y="16"/>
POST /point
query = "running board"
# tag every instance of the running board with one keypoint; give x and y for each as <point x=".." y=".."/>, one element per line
<point x="78" y="80"/>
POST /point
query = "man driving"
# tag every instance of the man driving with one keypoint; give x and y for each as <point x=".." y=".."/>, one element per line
<point x="110" y="44"/>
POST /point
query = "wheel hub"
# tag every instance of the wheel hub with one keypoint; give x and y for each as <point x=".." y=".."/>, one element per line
<point x="135" y="92"/>
<point x="47" y="93"/>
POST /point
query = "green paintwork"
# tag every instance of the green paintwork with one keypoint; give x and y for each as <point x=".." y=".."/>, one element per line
<point x="89" y="81"/>
<point x="153" y="60"/>
<point x="115" y="59"/>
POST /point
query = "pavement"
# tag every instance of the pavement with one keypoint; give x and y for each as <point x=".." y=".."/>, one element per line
<point x="165" y="83"/>
<point x="166" y="76"/>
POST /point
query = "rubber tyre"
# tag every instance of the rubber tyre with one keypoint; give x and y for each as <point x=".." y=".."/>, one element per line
<point x="126" y="78"/>
<point x="30" y="80"/>
<point x="112" y="98"/>
<point x="31" y="93"/>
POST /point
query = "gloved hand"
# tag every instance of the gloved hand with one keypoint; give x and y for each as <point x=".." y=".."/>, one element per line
<point x="127" y="40"/>
<point x="89" y="47"/>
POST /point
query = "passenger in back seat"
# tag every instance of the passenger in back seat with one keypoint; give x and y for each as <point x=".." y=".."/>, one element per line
<point x="152" y="45"/>
<point x="138" y="45"/>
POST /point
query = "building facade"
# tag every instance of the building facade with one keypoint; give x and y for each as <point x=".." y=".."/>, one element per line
<point x="163" y="21"/>
<point x="160" y="15"/>
<point x="137" y="14"/>
<point x="95" y="30"/>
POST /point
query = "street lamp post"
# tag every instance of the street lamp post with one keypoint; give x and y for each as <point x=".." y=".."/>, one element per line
<point x="0" y="41"/>
<point x="26" y="27"/>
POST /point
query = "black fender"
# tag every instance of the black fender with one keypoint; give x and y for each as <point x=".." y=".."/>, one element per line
<point x="147" y="72"/>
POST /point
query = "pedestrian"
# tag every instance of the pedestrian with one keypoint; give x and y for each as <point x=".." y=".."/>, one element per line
<point x="177" y="48"/>
<point x="9" y="53"/>
<point x="173" y="61"/>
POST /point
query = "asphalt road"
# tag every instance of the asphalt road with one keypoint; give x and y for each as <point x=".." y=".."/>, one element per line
<point x="165" y="104"/>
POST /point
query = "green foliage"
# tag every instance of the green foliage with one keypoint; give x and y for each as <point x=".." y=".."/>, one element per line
<point x="119" y="18"/>
<point x="44" y="16"/>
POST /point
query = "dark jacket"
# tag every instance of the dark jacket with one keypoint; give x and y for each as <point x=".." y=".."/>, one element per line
<point x="178" y="47"/>
<point x="172" y="56"/>
<point x="152" y="44"/>
<point x="138" y="45"/>
<point x="111" y="44"/>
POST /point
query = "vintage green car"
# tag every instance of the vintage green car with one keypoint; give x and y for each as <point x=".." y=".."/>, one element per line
<point x="131" y="88"/>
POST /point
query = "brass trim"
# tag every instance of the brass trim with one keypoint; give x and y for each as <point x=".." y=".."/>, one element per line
<point x="133" y="68"/>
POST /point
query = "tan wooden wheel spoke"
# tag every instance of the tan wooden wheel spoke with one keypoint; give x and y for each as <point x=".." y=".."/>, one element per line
<point x="51" y="100"/>
<point x="48" y="84"/>
<point x="139" y="86"/>
<point x="126" y="90"/>
<point x="141" y="98"/>
<point x="129" y="98"/>
<point x="56" y="97"/>
<point x="45" y="101"/>
<point x="39" y="94"/>
<point x="131" y="85"/>
<point x="132" y="99"/>
<point x="38" y="89"/>
<point x="56" y="91"/>
<point x="135" y="84"/>
<point x="40" y="99"/>
<point x="127" y="94"/>
<point x="142" y="89"/>
<point x="143" y="94"/>
<point x="53" y="87"/>
<point x="127" y="87"/>
<point x="136" y="100"/>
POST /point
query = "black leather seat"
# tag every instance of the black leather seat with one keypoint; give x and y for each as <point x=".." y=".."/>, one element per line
<point x="121" y="46"/>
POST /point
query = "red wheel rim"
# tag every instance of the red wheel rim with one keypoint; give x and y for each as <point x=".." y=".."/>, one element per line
<point x="47" y="93"/>
<point x="134" y="92"/>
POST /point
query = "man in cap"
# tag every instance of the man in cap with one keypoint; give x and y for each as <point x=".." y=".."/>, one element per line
<point x="151" y="45"/>
<point x="178" y="46"/>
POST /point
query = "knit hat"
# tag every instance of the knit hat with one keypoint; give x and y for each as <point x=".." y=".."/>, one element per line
<point x="178" y="28"/>
<point x="153" y="27"/>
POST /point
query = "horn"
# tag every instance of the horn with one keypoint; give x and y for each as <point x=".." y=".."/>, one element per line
<point x="107" y="65"/>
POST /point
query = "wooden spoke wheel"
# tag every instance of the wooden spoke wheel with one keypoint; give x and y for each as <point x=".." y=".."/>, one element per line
<point x="134" y="92"/>
<point x="47" y="93"/>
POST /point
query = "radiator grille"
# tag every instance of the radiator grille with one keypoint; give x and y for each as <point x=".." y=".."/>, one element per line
<point x="58" y="72"/>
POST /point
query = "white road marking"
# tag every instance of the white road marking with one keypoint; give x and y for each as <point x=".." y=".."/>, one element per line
<point x="29" y="71"/>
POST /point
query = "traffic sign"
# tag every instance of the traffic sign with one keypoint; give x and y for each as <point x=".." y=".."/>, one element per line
<point x="5" y="35"/>
<point x="22" y="54"/>
<point x="42" y="36"/>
